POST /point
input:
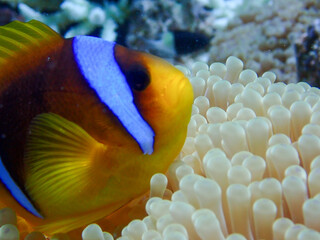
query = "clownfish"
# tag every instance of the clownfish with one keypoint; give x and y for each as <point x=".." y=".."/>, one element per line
<point x="84" y="124"/>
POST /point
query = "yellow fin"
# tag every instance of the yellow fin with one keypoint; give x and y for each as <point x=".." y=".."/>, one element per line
<point x="18" y="36"/>
<point x="60" y="158"/>
<point x="66" y="224"/>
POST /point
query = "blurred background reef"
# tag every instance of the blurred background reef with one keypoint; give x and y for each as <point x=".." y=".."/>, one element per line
<point x="280" y="36"/>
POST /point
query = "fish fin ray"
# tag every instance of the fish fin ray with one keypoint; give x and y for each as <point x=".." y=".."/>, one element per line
<point x="74" y="222"/>
<point x="59" y="157"/>
<point x="17" y="36"/>
<point x="23" y="46"/>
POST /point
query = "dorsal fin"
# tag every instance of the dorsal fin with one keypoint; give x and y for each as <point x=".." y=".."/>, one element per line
<point x="26" y="42"/>
<point x="18" y="36"/>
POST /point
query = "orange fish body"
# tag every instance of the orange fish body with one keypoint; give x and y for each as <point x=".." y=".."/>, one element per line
<point x="75" y="147"/>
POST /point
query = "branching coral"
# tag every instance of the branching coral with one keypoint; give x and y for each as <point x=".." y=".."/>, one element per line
<point x="85" y="15"/>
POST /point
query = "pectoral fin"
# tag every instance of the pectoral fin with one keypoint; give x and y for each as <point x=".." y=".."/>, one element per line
<point x="59" y="155"/>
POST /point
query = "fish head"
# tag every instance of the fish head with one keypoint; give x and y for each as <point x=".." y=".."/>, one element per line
<point x="162" y="93"/>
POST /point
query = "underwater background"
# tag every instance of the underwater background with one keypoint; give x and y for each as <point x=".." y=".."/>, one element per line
<point x="281" y="36"/>
<point x="250" y="166"/>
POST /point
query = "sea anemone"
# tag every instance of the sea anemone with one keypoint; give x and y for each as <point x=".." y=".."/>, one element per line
<point x="249" y="168"/>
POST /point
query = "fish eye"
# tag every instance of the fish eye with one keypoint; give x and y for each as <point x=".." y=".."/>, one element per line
<point x="138" y="78"/>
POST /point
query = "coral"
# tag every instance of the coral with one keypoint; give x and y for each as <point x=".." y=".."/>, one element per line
<point x="264" y="36"/>
<point x="152" y="21"/>
<point x="261" y="32"/>
<point x="83" y="16"/>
